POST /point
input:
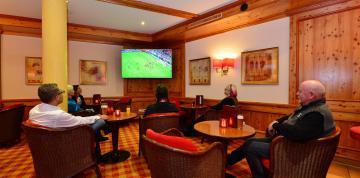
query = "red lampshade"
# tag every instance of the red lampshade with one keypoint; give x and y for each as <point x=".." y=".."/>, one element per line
<point x="227" y="62"/>
<point x="217" y="63"/>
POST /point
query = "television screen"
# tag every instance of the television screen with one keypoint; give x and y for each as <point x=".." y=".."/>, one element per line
<point x="146" y="63"/>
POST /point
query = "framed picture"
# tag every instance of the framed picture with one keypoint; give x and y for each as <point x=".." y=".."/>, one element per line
<point x="260" y="66"/>
<point x="200" y="71"/>
<point x="92" y="72"/>
<point x="33" y="70"/>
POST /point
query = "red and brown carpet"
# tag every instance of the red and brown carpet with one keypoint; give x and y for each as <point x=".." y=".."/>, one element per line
<point x="17" y="162"/>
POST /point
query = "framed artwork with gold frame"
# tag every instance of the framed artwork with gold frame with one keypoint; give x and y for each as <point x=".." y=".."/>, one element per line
<point x="33" y="70"/>
<point x="260" y="66"/>
<point x="92" y="72"/>
<point x="199" y="71"/>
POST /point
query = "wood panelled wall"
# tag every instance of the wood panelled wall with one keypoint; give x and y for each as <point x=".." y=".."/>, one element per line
<point x="325" y="45"/>
<point x="176" y="85"/>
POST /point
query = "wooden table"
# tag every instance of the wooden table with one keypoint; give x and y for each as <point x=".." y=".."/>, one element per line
<point x="192" y="112"/>
<point x="224" y="135"/>
<point x="114" y="122"/>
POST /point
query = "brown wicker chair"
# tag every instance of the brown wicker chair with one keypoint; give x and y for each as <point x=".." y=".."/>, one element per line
<point x="62" y="152"/>
<point x="297" y="160"/>
<point x="158" y="122"/>
<point x="165" y="161"/>
<point x="10" y="128"/>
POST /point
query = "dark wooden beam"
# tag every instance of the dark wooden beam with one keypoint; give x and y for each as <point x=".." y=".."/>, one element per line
<point x="152" y="7"/>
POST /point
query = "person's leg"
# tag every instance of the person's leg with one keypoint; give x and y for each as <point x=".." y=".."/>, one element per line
<point x="96" y="127"/>
<point x="254" y="152"/>
<point x="238" y="154"/>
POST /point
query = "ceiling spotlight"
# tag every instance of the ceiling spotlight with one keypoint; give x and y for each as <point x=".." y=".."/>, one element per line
<point x="244" y="6"/>
<point x="142" y="22"/>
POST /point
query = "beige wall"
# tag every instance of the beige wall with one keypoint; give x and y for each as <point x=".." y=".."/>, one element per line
<point x="231" y="44"/>
<point x="16" y="48"/>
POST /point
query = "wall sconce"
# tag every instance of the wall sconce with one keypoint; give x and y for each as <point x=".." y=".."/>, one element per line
<point x="223" y="66"/>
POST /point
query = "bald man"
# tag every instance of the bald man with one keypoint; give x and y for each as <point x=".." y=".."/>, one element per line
<point x="311" y="120"/>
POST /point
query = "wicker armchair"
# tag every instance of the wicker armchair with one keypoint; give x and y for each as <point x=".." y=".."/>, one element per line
<point x="62" y="152"/>
<point x="297" y="160"/>
<point x="10" y="128"/>
<point x="158" y="122"/>
<point x="165" y="161"/>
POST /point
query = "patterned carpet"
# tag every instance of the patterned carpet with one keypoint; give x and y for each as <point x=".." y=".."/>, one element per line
<point x="17" y="162"/>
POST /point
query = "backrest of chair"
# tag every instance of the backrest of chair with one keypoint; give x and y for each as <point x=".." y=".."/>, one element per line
<point x="60" y="152"/>
<point x="96" y="99"/>
<point x="229" y="111"/>
<point x="158" y="122"/>
<point x="309" y="159"/>
<point x="10" y="128"/>
<point x="165" y="161"/>
<point x="123" y="103"/>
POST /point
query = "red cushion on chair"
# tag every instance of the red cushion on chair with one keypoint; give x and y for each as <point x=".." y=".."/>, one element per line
<point x="355" y="132"/>
<point x="11" y="106"/>
<point x="164" y="114"/>
<point x="176" y="142"/>
<point x="266" y="163"/>
<point x="35" y="125"/>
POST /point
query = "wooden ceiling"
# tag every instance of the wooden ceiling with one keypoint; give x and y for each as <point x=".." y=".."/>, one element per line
<point x="220" y="20"/>
<point x="153" y="8"/>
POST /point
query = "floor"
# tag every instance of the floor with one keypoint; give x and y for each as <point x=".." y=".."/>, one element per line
<point x="16" y="161"/>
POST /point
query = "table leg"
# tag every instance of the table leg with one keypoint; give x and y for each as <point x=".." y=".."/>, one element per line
<point x="116" y="155"/>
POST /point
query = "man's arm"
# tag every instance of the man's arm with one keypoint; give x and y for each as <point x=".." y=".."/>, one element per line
<point x="309" y="127"/>
<point x="67" y="120"/>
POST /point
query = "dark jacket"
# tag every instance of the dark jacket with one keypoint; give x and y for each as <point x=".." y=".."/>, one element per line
<point x="226" y="101"/>
<point x="160" y="107"/>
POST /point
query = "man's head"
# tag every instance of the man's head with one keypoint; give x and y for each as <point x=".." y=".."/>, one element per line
<point x="161" y="92"/>
<point x="310" y="90"/>
<point x="50" y="93"/>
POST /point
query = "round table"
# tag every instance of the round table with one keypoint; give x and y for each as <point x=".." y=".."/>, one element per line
<point x="224" y="135"/>
<point x="114" y="122"/>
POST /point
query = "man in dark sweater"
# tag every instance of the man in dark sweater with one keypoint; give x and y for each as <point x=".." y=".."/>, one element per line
<point x="162" y="104"/>
<point x="311" y="120"/>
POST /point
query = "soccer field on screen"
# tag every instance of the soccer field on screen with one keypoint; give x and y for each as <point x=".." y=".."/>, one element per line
<point x="144" y="65"/>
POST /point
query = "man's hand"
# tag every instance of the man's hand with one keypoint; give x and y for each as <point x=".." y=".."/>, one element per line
<point x="270" y="128"/>
<point x="105" y="117"/>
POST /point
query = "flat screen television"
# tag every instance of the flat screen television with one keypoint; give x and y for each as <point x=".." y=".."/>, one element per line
<point x="146" y="63"/>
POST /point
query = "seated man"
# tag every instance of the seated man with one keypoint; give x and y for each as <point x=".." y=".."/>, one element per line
<point x="311" y="120"/>
<point x="49" y="115"/>
<point x="162" y="104"/>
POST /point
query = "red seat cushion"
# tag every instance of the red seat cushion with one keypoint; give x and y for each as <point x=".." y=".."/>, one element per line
<point x="11" y="106"/>
<point x="266" y="163"/>
<point x="163" y="114"/>
<point x="29" y="122"/>
<point x="172" y="141"/>
<point x="355" y="132"/>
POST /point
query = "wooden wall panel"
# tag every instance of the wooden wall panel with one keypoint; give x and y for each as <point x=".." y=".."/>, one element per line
<point x="325" y="45"/>
<point x="176" y="85"/>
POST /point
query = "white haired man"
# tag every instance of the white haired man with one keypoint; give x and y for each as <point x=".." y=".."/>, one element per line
<point x="311" y="120"/>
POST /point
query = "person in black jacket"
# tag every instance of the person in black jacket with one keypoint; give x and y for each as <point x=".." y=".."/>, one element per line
<point x="311" y="120"/>
<point x="230" y="99"/>
<point x="162" y="104"/>
<point x="78" y="97"/>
